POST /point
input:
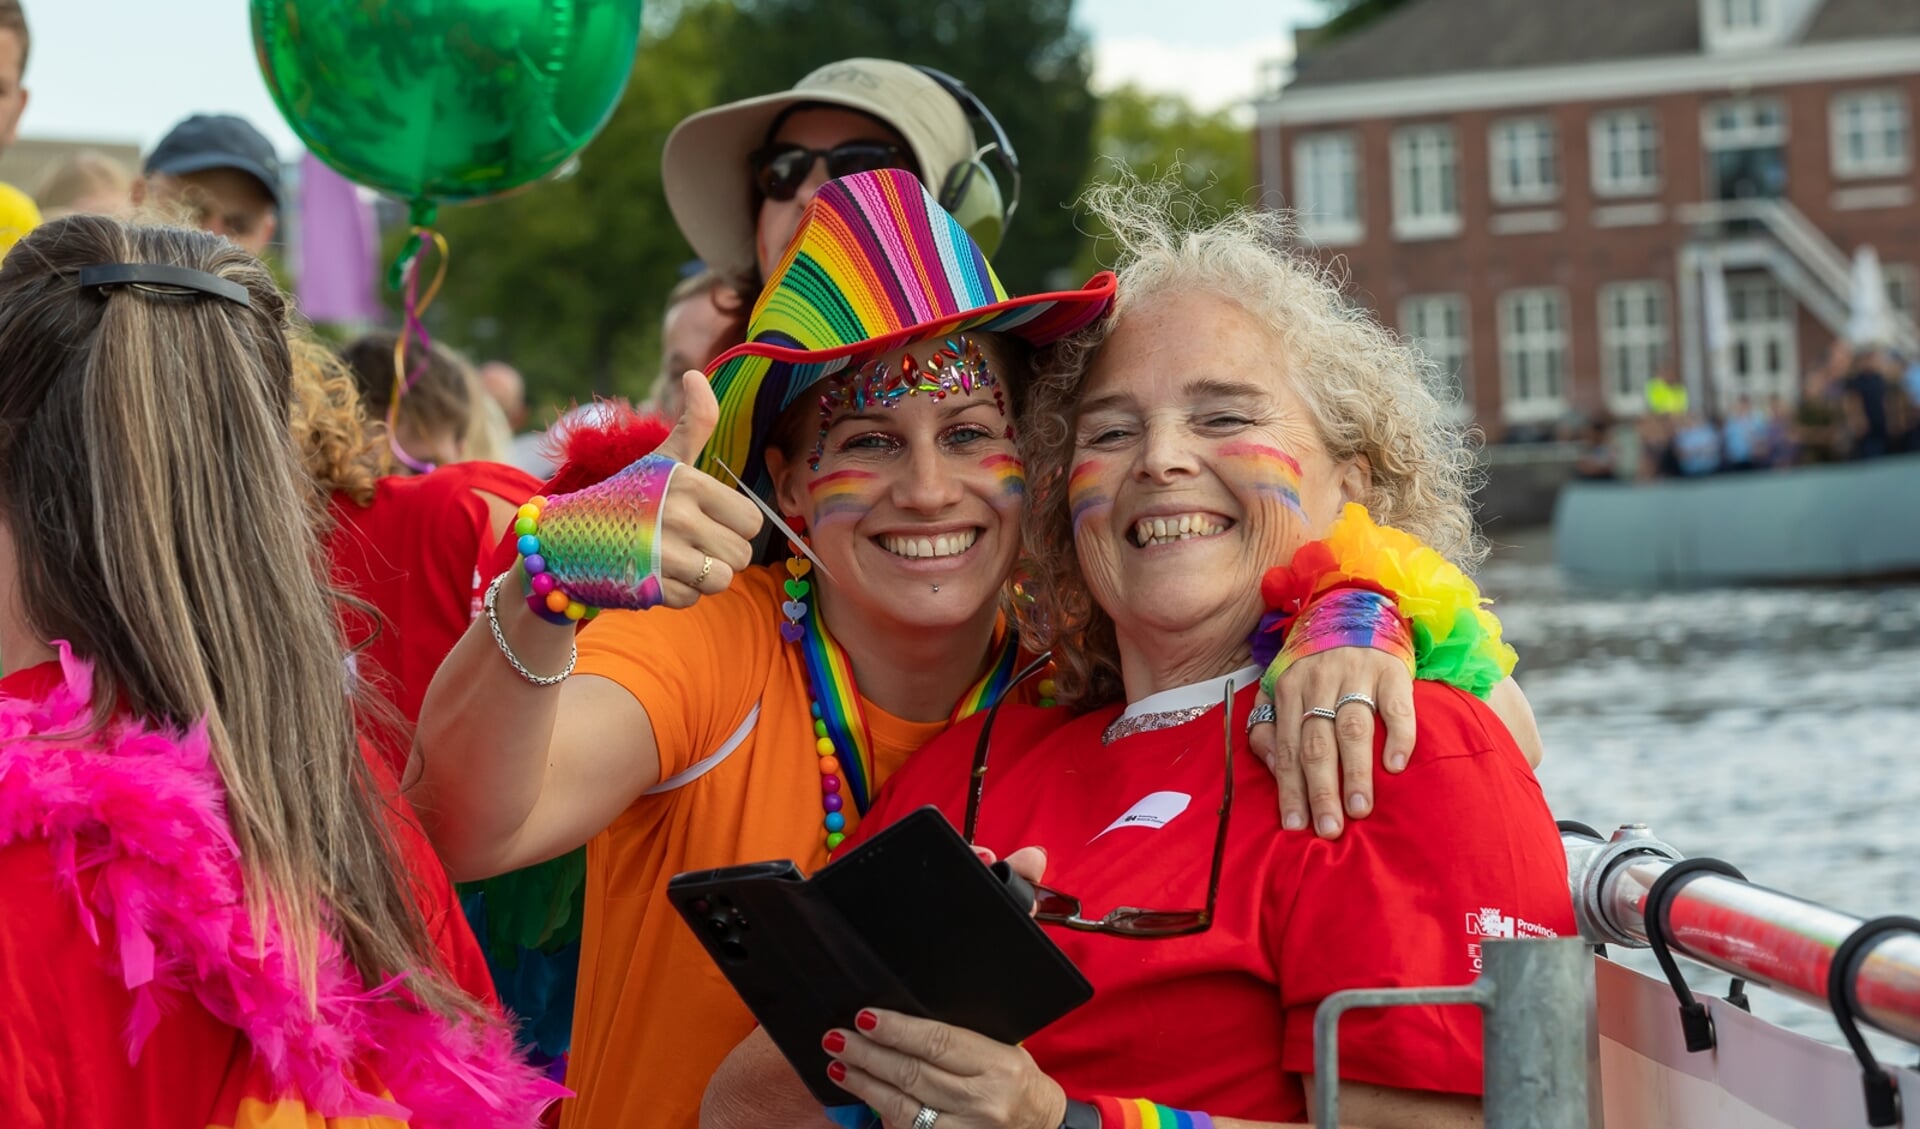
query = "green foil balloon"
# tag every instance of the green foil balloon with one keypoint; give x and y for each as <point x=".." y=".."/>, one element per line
<point x="446" y="100"/>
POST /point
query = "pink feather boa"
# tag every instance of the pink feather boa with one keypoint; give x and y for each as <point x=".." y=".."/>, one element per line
<point x="143" y="813"/>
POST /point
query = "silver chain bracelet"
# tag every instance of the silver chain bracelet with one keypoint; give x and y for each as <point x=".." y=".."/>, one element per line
<point x="513" y="660"/>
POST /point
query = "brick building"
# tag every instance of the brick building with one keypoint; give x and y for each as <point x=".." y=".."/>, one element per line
<point x="1559" y="200"/>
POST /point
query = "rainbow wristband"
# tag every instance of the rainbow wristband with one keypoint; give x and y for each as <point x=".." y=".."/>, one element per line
<point x="1344" y="617"/>
<point x="1139" y="1113"/>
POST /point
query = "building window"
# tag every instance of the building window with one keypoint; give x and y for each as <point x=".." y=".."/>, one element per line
<point x="1326" y="187"/>
<point x="1626" y="153"/>
<point x="1533" y="354"/>
<point x="1899" y="280"/>
<point x="1870" y="133"/>
<point x="1633" y="341"/>
<point x="1437" y="324"/>
<point x="1426" y="201"/>
<point x="1744" y="123"/>
<point x="1526" y="165"/>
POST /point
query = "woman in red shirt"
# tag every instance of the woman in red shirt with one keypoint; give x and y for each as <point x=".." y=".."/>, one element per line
<point x="211" y="919"/>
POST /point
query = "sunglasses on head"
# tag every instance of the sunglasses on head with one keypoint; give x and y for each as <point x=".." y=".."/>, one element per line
<point x="1055" y="908"/>
<point x="781" y="168"/>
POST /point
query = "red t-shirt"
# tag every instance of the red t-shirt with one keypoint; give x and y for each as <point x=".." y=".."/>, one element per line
<point x="64" y="1006"/>
<point x="422" y="553"/>
<point x="1460" y="846"/>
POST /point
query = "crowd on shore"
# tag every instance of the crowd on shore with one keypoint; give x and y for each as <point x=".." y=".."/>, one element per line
<point x="1860" y="403"/>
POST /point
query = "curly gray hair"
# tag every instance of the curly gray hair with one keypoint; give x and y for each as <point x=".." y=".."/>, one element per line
<point x="1370" y="394"/>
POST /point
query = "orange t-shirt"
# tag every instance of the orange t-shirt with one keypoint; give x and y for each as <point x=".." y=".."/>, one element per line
<point x="729" y="704"/>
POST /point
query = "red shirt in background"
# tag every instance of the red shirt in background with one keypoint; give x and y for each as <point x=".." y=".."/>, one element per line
<point x="1461" y="846"/>
<point x="422" y="553"/>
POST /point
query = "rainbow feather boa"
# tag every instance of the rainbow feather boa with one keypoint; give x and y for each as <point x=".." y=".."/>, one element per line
<point x="1456" y="640"/>
<point x="134" y="820"/>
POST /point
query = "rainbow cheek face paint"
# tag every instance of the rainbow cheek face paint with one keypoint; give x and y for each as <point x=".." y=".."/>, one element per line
<point x="1266" y="471"/>
<point x="1086" y="494"/>
<point x="1009" y="480"/>
<point x="844" y="495"/>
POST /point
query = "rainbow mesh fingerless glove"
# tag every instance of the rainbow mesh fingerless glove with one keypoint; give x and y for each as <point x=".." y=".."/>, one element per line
<point x="1373" y="585"/>
<point x="598" y="547"/>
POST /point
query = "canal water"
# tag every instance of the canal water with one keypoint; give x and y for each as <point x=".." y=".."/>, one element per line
<point x="1774" y="728"/>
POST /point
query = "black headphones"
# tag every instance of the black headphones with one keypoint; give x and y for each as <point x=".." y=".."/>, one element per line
<point x="969" y="191"/>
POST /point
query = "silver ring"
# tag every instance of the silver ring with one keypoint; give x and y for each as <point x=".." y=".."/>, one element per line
<point x="926" y="1117"/>
<point x="1261" y="715"/>
<point x="1320" y="711"/>
<point x="706" y="567"/>
<point x="1361" y="698"/>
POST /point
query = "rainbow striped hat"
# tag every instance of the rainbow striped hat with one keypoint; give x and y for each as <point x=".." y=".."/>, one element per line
<point x="875" y="265"/>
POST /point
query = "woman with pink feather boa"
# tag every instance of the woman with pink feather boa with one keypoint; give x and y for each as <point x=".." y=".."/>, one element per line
<point x="216" y="915"/>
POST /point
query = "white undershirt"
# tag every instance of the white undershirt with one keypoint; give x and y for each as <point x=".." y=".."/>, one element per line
<point x="1206" y="692"/>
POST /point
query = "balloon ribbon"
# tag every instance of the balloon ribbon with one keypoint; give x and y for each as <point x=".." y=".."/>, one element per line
<point x="406" y="278"/>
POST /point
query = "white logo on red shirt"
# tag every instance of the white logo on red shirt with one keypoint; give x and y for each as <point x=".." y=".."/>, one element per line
<point x="1489" y="922"/>
<point x="1154" y="811"/>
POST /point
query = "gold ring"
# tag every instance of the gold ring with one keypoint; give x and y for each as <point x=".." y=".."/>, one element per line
<point x="706" y="566"/>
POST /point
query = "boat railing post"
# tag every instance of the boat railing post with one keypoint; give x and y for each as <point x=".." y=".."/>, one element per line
<point x="1537" y="997"/>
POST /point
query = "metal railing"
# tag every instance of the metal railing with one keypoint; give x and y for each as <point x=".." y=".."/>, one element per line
<point x="1633" y="890"/>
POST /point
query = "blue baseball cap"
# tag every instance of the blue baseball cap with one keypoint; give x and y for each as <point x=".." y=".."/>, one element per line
<point x="218" y="141"/>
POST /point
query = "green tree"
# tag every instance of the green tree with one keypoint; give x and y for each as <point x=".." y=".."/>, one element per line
<point x="1155" y="134"/>
<point x="567" y="279"/>
<point x="1023" y="58"/>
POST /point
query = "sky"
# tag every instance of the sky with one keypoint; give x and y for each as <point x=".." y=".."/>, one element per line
<point x="125" y="70"/>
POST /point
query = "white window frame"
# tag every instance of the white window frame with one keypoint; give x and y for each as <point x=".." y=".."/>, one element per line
<point x="1636" y="350"/>
<point x="1317" y="160"/>
<point x="1758" y="123"/>
<point x="1426" y="181"/>
<point x="1758" y="337"/>
<point x="1901" y="281"/>
<point x="1641" y="181"/>
<point x="1437" y="325"/>
<point x="1870" y="164"/>
<point x="1530" y="345"/>
<point x="1524" y="159"/>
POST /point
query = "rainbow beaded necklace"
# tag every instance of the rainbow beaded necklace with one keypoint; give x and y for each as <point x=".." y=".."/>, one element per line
<point x="840" y="733"/>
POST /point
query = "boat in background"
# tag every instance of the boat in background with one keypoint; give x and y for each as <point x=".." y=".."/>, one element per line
<point x="1845" y="521"/>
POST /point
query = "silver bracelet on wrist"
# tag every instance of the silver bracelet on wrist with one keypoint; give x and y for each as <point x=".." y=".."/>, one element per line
<point x="513" y="660"/>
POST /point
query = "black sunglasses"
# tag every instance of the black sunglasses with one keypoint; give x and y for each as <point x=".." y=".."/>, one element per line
<point x="1055" y="908"/>
<point x="781" y="168"/>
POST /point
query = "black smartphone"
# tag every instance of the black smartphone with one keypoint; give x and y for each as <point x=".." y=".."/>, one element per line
<point x="910" y="921"/>
<point x="796" y="965"/>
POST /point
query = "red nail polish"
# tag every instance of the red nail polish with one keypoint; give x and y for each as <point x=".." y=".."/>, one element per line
<point x="866" y="1021"/>
<point x="835" y="1042"/>
<point x="837" y="1071"/>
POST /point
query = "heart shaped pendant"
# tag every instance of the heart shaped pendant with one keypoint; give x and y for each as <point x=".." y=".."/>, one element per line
<point x="798" y="567"/>
<point x="798" y="589"/>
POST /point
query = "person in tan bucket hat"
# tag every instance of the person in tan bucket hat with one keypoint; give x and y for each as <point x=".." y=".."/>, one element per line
<point x="738" y="176"/>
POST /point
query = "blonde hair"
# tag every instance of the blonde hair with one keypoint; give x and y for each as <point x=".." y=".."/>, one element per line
<point x="329" y="429"/>
<point x="180" y="561"/>
<point x="489" y="437"/>
<point x="1371" y="395"/>
<point x="88" y="172"/>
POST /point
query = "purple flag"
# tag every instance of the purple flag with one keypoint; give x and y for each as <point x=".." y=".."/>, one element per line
<point x="338" y="253"/>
